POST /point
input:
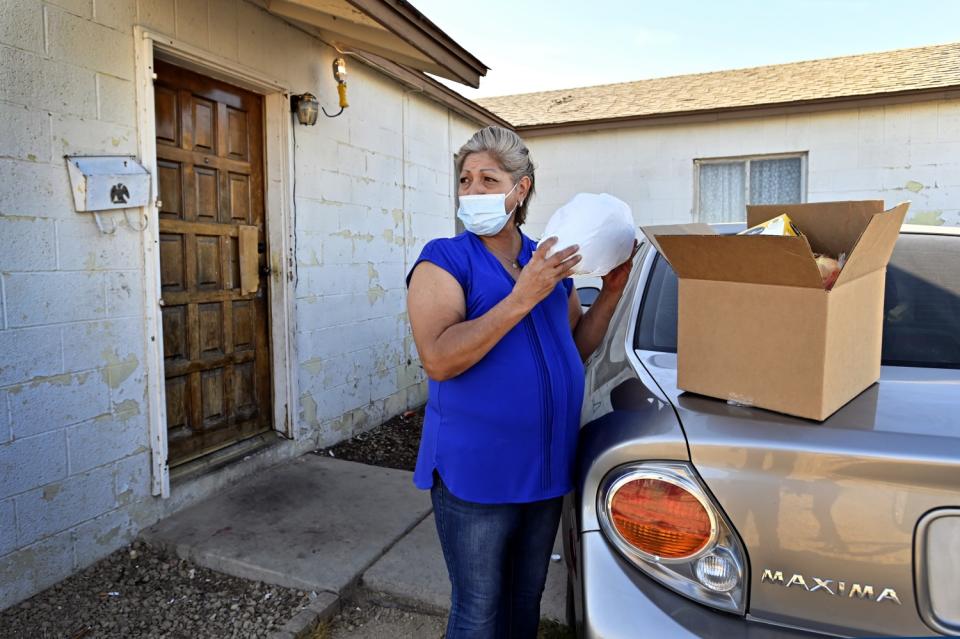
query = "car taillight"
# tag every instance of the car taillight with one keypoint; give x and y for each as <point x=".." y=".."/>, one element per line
<point x="660" y="518"/>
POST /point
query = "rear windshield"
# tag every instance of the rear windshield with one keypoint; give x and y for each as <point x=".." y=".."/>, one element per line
<point x="921" y="322"/>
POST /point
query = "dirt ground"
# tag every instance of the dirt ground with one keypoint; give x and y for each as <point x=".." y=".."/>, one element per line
<point x="393" y="444"/>
<point x="144" y="592"/>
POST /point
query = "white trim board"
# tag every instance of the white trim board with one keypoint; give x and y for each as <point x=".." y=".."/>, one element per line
<point x="279" y="212"/>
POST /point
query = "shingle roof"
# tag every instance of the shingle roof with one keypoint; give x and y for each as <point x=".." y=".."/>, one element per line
<point x="923" y="68"/>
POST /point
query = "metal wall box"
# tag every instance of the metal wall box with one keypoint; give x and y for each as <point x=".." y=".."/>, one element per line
<point x="107" y="182"/>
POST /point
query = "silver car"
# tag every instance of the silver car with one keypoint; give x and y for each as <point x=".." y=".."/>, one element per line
<point x="693" y="517"/>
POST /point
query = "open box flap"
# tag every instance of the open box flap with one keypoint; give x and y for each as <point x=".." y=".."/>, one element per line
<point x="694" y="228"/>
<point x="873" y="249"/>
<point x="756" y="259"/>
<point x="831" y="227"/>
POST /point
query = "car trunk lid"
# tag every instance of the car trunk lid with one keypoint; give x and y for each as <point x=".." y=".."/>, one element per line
<point x="828" y="510"/>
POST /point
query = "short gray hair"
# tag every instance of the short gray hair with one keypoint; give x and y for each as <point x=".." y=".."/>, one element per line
<point x="510" y="153"/>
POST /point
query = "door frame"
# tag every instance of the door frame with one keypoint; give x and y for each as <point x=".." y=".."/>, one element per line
<point x="279" y="210"/>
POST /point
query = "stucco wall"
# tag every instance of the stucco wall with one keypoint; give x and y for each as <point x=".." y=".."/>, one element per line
<point x="371" y="187"/>
<point x="893" y="153"/>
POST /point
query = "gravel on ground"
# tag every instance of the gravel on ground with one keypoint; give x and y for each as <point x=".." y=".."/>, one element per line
<point x="141" y="591"/>
<point x="393" y="444"/>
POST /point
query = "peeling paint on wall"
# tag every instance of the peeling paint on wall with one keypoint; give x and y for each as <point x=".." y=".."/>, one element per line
<point x="375" y="292"/>
<point x="51" y="491"/>
<point x="63" y="379"/>
<point x="353" y="235"/>
<point x="117" y="371"/>
<point x="127" y="408"/>
<point x="308" y="410"/>
<point x="313" y="366"/>
<point x="930" y="218"/>
<point x="913" y="186"/>
<point x="108" y="536"/>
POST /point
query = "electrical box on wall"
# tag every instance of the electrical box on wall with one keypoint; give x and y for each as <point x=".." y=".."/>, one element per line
<point x="107" y="182"/>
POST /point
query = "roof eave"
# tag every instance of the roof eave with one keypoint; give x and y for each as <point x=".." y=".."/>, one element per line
<point x="733" y="113"/>
<point x="432" y="89"/>
<point x="404" y="20"/>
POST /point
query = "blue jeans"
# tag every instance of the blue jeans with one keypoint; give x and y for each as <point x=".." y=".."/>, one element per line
<point x="497" y="557"/>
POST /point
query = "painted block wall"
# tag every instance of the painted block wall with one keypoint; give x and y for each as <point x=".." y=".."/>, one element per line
<point x="894" y="153"/>
<point x="366" y="207"/>
<point x="371" y="188"/>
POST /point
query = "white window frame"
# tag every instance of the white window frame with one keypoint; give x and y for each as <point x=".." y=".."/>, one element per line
<point x="746" y="159"/>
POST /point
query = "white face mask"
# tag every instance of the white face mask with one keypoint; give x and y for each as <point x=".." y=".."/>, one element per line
<point x="485" y="214"/>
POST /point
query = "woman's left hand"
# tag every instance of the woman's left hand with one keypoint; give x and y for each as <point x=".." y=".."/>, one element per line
<point x="616" y="280"/>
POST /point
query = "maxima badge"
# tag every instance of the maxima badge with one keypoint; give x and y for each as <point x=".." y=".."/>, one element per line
<point x="831" y="587"/>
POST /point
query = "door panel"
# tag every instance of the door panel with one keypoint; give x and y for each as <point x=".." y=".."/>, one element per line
<point x="216" y="348"/>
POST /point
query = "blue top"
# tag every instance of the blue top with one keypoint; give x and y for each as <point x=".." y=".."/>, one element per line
<point x="505" y="430"/>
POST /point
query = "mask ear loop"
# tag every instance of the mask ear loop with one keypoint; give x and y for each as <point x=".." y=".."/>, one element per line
<point x="519" y="202"/>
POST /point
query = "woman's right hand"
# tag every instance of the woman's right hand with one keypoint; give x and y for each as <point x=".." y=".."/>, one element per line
<point x="540" y="275"/>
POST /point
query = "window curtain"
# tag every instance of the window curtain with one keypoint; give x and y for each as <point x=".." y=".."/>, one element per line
<point x="722" y="192"/>
<point x="775" y="181"/>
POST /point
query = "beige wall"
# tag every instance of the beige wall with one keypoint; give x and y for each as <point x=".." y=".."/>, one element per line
<point x="372" y="187"/>
<point x="893" y="153"/>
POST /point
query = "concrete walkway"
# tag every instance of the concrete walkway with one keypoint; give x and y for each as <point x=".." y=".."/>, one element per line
<point x="412" y="573"/>
<point x="330" y="526"/>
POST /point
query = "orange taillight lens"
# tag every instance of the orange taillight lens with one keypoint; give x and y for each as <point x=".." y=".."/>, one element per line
<point x="660" y="518"/>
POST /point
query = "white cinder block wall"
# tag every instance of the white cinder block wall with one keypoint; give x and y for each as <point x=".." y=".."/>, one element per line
<point x="361" y="230"/>
<point x="372" y="187"/>
<point x="894" y="153"/>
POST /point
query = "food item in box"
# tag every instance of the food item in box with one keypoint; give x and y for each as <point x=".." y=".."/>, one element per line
<point x="829" y="268"/>
<point x="780" y="225"/>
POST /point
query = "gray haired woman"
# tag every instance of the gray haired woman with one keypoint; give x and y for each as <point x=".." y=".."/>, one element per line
<point x="500" y="333"/>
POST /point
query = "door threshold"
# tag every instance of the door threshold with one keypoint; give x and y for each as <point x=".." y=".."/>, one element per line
<point x="223" y="457"/>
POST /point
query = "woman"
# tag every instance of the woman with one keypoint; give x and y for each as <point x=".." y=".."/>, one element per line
<point x="500" y="333"/>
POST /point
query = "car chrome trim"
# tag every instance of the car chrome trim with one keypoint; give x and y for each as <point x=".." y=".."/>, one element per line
<point x="832" y="587"/>
<point x="921" y="574"/>
<point x="639" y="291"/>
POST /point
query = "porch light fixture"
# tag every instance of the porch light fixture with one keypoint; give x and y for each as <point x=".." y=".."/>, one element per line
<point x="340" y="75"/>
<point x="340" y="71"/>
<point x="306" y="107"/>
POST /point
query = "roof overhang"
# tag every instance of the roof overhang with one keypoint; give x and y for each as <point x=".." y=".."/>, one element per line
<point x="431" y="89"/>
<point x="391" y="29"/>
<point x="738" y="113"/>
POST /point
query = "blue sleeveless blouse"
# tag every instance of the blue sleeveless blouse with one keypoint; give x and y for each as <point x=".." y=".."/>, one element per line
<point x="505" y="430"/>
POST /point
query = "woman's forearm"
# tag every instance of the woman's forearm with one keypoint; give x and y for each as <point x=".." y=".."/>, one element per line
<point x="464" y="344"/>
<point x="591" y="328"/>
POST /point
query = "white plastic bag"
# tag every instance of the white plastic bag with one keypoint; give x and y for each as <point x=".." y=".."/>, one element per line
<point x="603" y="227"/>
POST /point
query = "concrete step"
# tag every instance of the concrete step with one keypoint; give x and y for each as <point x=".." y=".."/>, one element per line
<point x="315" y="523"/>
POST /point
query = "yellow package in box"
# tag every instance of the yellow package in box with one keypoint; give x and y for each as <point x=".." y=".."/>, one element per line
<point x="780" y="225"/>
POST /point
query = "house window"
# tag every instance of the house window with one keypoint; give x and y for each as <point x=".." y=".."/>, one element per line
<point x="726" y="186"/>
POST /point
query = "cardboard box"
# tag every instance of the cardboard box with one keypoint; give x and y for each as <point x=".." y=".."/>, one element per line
<point x="755" y="324"/>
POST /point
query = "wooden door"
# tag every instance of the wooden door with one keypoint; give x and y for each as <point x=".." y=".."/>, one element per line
<point x="215" y="334"/>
